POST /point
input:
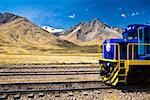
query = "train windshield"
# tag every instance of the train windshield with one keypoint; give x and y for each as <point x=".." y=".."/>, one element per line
<point x="131" y="35"/>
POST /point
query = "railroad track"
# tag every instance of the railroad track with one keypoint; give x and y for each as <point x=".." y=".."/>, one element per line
<point x="47" y="73"/>
<point x="51" y="87"/>
<point x="45" y="78"/>
<point x="67" y="73"/>
<point x="47" y="69"/>
<point x="61" y="72"/>
<point x="19" y="90"/>
<point x="11" y="66"/>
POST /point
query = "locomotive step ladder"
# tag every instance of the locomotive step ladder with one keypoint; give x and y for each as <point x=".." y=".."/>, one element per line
<point x="118" y="75"/>
<point x="122" y="73"/>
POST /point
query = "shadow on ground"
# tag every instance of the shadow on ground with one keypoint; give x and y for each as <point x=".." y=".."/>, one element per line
<point x="143" y="87"/>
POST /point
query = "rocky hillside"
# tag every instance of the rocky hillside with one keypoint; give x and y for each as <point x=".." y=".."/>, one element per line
<point x="91" y="32"/>
<point x="19" y="35"/>
<point x="7" y="17"/>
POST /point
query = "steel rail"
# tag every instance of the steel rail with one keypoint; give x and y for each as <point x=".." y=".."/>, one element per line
<point x="49" y="64"/>
<point x="52" y="90"/>
<point x="31" y="83"/>
<point x="47" y="67"/>
<point x="56" y="74"/>
<point x="48" y="71"/>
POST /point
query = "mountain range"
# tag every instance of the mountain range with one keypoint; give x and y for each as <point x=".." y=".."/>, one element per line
<point x="91" y="32"/>
<point x="18" y="35"/>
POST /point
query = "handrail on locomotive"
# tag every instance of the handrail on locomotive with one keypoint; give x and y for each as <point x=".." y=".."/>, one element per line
<point x="132" y="45"/>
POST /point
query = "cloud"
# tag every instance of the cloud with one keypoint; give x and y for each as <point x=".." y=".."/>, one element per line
<point x="135" y="14"/>
<point x="120" y="8"/>
<point x="123" y="15"/>
<point x="72" y="16"/>
<point x="86" y="9"/>
<point x="142" y="12"/>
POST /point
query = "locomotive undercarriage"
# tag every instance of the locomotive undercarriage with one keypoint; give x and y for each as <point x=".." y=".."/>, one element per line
<point x="124" y="72"/>
<point x="138" y="74"/>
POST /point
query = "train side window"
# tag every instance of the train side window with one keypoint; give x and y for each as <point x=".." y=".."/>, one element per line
<point x="135" y="35"/>
<point x="140" y="34"/>
<point x="147" y="35"/>
<point x="130" y="36"/>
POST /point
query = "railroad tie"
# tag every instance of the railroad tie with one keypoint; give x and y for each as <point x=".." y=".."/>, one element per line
<point x="70" y="94"/>
<point x="17" y="96"/>
<point x="98" y="92"/>
<point x="109" y="91"/>
<point x="57" y="95"/>
<point x="3" y="97"/>
<point x="31" y="95"/>
<point x="85" y="93"/>
<point x="41" y="94"/>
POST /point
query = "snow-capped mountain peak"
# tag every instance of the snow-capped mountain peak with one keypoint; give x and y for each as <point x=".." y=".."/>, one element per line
<point x="52" y="30"/>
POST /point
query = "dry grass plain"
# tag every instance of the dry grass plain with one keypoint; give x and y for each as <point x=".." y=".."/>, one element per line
<point x="49" y="59"/>
<point x="48" y="55"/>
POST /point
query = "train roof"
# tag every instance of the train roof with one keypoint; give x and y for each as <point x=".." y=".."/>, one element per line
<point x="138" y="25"/>
<point x="134" y="27"/>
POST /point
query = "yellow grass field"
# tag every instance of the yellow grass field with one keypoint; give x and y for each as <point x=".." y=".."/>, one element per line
<point x="51" y="58"/>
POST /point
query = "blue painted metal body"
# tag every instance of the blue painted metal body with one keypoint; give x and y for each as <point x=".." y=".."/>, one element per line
<point x="135" y="33"/>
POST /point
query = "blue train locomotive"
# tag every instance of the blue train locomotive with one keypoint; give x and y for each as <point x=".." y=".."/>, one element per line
<point x="127" y="60"/>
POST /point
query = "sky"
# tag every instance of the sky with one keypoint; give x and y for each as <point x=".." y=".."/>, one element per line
<point x="67" y="13"/>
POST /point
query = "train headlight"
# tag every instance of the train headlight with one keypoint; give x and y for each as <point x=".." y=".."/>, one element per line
<point x="108" y="64"/>
<point x="108" y="47"/>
